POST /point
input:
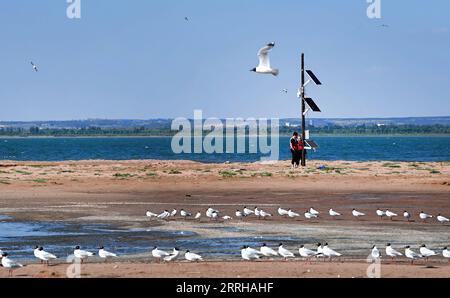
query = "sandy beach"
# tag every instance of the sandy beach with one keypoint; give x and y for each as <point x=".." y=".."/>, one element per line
<point x="119" y="192"/>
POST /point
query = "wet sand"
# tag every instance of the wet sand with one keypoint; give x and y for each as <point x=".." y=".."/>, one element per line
<point x="120" y="192"/>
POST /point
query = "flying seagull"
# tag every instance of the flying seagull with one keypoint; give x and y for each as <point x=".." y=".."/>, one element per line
<point x="186" y="19"/>
<point x="34" y="66"/>
<point x="264" y="61"/>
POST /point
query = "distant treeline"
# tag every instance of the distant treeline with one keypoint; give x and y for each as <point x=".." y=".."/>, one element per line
<point x="144" y="131"/>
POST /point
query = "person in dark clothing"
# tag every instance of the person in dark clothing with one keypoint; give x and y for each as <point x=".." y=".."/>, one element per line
<point x="296" y="145"/>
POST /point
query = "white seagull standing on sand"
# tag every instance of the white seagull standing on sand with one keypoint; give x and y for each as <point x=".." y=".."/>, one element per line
<point x="333" y="213"/>
<point x="82" y="254"/>
<point x="210" y="211"/>
<point x="375" y="254"/>
<point x="192" y="257"/>
<point x="104" y="254"/>
<point x="264" y="61"/>
<point x="282" y="212"/>
<point x="159" y="254"/>
<point x="151" y="214"/>
<point x="35" y="251"/>
<point x="239" y="214"/>
<point x="185" y="214"/>
<point x="45" y="256"/>
<point x="164" y="215"/>
<point x="34" y="66"/>
<point x="306" y="253"/>
<point x="309" y="215"/>
<point x="249" y="254"/>
<point x="198" y="215"/>
<point x="391" y="214"/>
<point x="410" y="254"/>
<point x="446" y="253"/>
<point x="381" y="213"/>
<point x="314" y="212"/>
<point x="248" y="212"/>
<point x="257" y="212"/>
<point x="442" y="219"/>
<point x="407" y="215"/>
<point x="174" y="212"/>
<point x="357" y="214"/>
<point x="392" y="252"/>
<point x="173" y="255"/>
<point x="425" y="252"/>
<point x="284" y="252"/>
<point x="10" y="264"/>
<point x="328" y="252"/>
<point x="267" y="251"/>
<point x="264" y="214"/>
<point x="423" y="216"/>
<point x="319" y="250"/>
<point x="292" y="214"/>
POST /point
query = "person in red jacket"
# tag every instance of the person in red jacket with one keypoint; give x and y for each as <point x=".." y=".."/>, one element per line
<point x="296" y="145"/>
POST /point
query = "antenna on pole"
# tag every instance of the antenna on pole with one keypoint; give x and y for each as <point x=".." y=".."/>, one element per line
<point x="311" y="106"/>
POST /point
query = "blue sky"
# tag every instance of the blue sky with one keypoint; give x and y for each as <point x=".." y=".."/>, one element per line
<point x="141" y="59"/>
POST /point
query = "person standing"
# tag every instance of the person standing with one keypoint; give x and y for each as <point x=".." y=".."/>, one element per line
<point x="296" y="145"/>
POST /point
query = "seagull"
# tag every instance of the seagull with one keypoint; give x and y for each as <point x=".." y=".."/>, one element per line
<point x="381" y="213"/>
<point x="186" y="19"/>
<point x="319" y="250"/>
<point x="102" y="253"/>
<point x="425" y="252"/>
<point x="257" y="212"/>
<point x="82" y="254"/>
<point x="267" y="251"/>
<point x="284" y="252"/>
<point x="410" y="254"/>
<point x="10" y="264"/>
<point x="159" y="254"/>
<point x="446" y="253"/>
<point x="282" y="212"/>
<point x="192" y="257"/>
<point x="210" y="212"/>
<point x="285" y="90"/>
<point x="407" y="215"/>
<point x="248" y="212"/>
<point x="392" y="252"/>
<point x="328" y="252"/>
<point x="198" y="215"/>
<point x="173" y="255"/>
<point x="442" y="219"/>
<point x="249" y="254"/>
<point x="333" y="213"/>
<point x="264" y="61"/>
<point x="292" y="214"/>
<point x="151" y="214"/>
<point x="174" y="212"/>
<point x="423" y="216"/>
<point x="391" y="214"/>
<point x="36" y="253"/>
<point x="45" y="256"/>
<point x="239" y="214"/>
<point x="185" y="214"/>
<point x="34" y="66"/>
<point x="375" y="254"/>
<point x="306" y="253"/>
<point x="164" y="215"/>
<point x="314" y="212"/>
<point x="264" y="214"/>
<point x="226" y="217"/>
<point x="357" y="213"/>
<point x="309" y="215"/>
<point x="214" y="215"/>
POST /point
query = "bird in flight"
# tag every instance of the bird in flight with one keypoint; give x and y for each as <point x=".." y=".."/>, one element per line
<point x="186" y="19"/>
<point x="264" y="61"/>
<point x="34" y="66"/>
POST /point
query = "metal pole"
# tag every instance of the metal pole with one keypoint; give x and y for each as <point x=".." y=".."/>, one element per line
<point x="302" y="88"/>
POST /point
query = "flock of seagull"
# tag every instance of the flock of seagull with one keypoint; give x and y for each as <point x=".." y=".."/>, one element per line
<point x="312" y="213"/>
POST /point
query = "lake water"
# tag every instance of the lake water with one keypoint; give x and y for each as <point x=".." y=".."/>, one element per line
<point x="411" y="148"/>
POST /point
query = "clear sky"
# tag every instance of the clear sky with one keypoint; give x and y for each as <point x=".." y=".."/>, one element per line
<point x="141" y="59"/>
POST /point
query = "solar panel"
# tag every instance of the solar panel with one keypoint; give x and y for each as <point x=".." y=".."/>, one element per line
<point x="312" y="144"/>
<point x="312" y="104"/>
<point x="313" y="77"/>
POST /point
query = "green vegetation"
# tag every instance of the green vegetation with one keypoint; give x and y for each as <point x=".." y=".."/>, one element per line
<point x="23" y="172"/>
<point x="152" y="174"/>
<point x="227" y="174"/>
<point x="122" y="175"/>
<point x="40" y="180"/>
